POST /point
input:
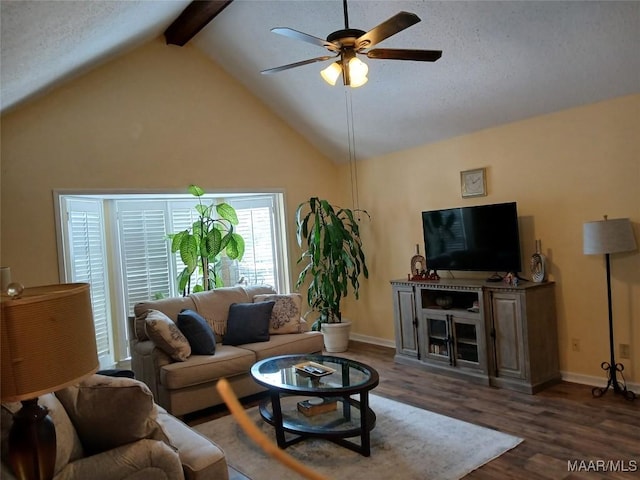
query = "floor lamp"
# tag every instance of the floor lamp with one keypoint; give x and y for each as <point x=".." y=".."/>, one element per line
<point x="48" y="343"/>
<point x="607" y="237"/>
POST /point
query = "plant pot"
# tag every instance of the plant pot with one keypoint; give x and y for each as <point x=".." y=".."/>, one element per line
<point x="336" y="336"/>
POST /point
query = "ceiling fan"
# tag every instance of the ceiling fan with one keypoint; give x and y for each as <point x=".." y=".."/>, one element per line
<point x="350" y="42"/>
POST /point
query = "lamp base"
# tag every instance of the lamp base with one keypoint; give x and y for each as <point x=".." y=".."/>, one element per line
<point x="612" y="371"/>
<point x="32" y="442"/>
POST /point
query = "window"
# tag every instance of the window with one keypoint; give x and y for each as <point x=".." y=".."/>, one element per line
<point x="85" y="242"/>
<point x="118" y="244"/>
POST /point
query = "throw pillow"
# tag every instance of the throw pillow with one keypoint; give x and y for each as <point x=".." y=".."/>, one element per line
<point x="286" y="314"/>
<point x="198" y="332"/>
<point x="111" y="411"/>
<point x="248" y="323"/>
<point x="166" y="335"/>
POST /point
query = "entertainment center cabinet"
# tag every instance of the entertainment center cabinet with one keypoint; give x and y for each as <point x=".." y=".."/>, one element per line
<point x="490" y="333"/>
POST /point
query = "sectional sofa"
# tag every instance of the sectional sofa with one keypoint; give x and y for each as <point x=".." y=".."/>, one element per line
<point x="182" y="377"/>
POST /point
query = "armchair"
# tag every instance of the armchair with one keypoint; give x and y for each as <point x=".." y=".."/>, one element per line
<point x="109" y="428"/>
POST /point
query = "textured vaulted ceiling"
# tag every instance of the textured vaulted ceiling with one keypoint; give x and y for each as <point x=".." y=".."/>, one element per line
<point x="501" y="61"/>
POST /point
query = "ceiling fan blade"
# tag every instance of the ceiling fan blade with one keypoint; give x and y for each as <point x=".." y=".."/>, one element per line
<point x="405" y="54"/>
<point x="389" y="27"/>
<point x="297" y="64"/>
<point x="305" y="37"/>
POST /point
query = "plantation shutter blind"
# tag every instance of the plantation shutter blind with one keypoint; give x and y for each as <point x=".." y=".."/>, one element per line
<point x="182" y="216"/>
<point x="256" y="226"/>
<point x="85" y="262"/>
<point x="145" y="251"/>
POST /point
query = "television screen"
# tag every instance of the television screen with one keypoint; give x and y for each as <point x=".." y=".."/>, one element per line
<point x="482" y="238"/>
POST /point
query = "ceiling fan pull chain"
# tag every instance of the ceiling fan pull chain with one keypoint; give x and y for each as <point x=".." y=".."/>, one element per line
<point x="351" y="139"/>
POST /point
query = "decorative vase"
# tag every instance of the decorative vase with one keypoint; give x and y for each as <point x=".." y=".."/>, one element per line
<point x="538" y="264"/>
<point x="336" y="336"/>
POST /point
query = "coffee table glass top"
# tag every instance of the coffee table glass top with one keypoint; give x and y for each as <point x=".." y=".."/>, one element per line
<point x="286" y="374"/>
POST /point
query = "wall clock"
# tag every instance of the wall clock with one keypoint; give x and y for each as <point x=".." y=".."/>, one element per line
<point x="474" y="182"/>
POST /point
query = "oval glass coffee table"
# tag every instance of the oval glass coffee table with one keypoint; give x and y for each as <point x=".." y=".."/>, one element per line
<point x="312" y="396"/>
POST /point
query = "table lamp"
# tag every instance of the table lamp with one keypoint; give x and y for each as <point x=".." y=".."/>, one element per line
<point x="48" y="343"/>
<point x="607" y="237"/>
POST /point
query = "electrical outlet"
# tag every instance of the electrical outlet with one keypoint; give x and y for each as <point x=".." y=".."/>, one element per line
<point x="575" y="344"/>
<point x="625" y="351"/>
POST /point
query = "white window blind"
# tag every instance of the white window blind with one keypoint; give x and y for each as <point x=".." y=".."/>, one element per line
<point x="86" y="259"/>
<point x="256" y="225"/>
<point x="145" y="252"/>
<point x="182" y="216"/>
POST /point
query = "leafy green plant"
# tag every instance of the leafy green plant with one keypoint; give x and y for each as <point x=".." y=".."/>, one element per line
<point x="332" y="250"/>
<point x="202" y="245"/>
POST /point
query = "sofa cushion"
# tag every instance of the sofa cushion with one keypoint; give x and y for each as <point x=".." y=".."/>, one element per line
<point x="214" y="305"/>
<point x="294" y="343"/>
<point x="286" y="314"/>
<point x="110" y="411"/>
<point x="198" y="369"/>
<point x="248" y="323"/>
<point x="171" y="307"/>
<point x="198" y="332"/>
<point x="200" y="457"/>
<point x="141" y="460"/>
<point x="166" y="335"/>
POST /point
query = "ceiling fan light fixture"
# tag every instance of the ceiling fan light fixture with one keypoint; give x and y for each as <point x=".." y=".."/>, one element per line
<point x="357" y="72"/>
<point x="331" y="73"/>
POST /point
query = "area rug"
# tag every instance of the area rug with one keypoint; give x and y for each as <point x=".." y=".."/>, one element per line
<point x="407" y="443"/>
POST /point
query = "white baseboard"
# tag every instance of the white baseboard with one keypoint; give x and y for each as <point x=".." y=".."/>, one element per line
<point x="600" y="381"/>
<point x="373" y="340"/>
<point x="594" y="381"/>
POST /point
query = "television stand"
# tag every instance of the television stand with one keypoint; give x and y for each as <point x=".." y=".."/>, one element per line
<point x="490" y="333"/>
<point x="494" y="278"/>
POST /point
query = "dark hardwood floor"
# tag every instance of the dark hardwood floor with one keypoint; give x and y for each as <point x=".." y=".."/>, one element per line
<point x="561" y="425"/>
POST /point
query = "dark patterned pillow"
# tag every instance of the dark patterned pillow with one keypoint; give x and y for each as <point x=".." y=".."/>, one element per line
<point x="248" y="323"/>
<point x="286" y="314"/>
<point x="166" y="335"/>
<point x="198" y="332"/>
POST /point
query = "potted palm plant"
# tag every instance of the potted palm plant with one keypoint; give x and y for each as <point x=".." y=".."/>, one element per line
<point x="202" y="245"/>
<point x="333" y="261"/>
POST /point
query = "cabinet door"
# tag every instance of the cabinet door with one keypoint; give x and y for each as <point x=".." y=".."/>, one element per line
<point x="508" y="335"/>
<point x="437" y="336"/>
<point x="404" y="307"/>
<point x="469" y="349"/>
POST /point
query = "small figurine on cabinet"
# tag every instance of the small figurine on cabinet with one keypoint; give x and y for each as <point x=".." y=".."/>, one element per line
<point x="511" y="278"/>
<point x="419" y="270"/>
<point x="418" y="265"/>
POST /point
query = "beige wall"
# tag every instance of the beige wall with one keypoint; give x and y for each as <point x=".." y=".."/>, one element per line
<point x="563" y="170"/>
<point x="162" y="117"/>
<point x="139" y="121"/>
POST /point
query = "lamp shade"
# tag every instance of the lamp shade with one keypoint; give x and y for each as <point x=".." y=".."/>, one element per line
<point x="331" y="73"/>
<point x="357" y="72"/>
<point x="608" y="236"/>
<point x="48" y="340"/>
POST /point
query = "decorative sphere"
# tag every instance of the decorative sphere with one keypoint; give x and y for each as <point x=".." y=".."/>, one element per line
<point x="15" y="289"/>
<point x="444" y="302"/>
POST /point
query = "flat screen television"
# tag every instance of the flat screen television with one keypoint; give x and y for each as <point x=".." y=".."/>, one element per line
<point x="483" y="238"/>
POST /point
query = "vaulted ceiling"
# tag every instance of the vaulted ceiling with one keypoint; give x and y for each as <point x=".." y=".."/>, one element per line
<point x="501" y="61"/>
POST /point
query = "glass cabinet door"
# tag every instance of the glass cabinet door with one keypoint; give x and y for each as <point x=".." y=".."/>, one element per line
<point x="438" y="338"/>
<point x="466" y="342"/>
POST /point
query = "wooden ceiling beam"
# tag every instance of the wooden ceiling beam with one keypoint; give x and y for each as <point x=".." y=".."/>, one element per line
<point x="193" y="19"/>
